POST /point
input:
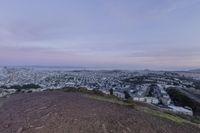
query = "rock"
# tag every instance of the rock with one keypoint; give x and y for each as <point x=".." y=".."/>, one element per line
<point x="38" y="128"/>
<point x="20" y="130"/>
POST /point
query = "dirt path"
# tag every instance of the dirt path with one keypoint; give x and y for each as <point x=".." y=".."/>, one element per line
<point x="59" y="112"/>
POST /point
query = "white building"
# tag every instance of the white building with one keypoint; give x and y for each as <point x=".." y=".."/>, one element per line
<point x="105" y="92"/>
<point x="119" y="94"/>
<point x="149" y="100"/>
<point x="181" y="110"/>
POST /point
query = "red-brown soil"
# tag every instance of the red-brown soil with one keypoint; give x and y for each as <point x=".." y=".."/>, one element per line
<point x="61" y="112"/>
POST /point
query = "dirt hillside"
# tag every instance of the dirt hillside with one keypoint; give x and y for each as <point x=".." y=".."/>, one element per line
<point x="61" y="112"/>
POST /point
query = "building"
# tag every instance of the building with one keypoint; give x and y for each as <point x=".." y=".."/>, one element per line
<point x="140" y="99"/>
<point x="149" y="100"/>
<point x="119" y="94"/>
<point x="105" y="92"/>
<point x="181" y="110"/>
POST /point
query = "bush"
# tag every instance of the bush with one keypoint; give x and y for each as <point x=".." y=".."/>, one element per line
<point x="111" y="91"/>
<point x="83" y="90"/>
<point x="30" y="91"/>
<point x="30" y="86"/>
<point x="18" y="90"/>
<point x="27" y="86"/>
<point x="18" y="87"/>
<point x="181" y="99"/>
<point x="127" y="96"/>
<point x="197" y="85"/>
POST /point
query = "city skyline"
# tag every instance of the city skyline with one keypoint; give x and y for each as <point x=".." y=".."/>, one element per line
<point x="111" y="34"/>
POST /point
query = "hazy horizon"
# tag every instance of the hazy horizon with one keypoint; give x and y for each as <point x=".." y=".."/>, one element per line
<point x="131" y="34"/>
<point x="72" y="68"/>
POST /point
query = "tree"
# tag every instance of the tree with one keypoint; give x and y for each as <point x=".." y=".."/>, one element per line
<point x="111" y="91"/>
<point x="127" y="95"/>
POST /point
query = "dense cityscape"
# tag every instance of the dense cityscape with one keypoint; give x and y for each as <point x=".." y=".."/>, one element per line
<point x="153" y="87"/>
<point x="99" y="66"/>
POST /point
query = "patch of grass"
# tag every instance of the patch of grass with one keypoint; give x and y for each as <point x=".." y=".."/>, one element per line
<point x="172" y="117"/>
<point x="150" y="109"/>
<point x="153" y="111"/>
<point x="166" y="115"/>
<point x="111" y="99"/>
<point x="98" y="95"/>
<point x="84" y="91"/>
<point x="183" y="100"/>
<point x="193" y="119"/>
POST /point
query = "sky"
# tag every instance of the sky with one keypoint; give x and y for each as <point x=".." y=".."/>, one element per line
<point x="118" y="34"/>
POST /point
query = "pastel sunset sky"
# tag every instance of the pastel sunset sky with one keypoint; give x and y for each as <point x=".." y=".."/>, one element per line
<point x="124" y="34"/>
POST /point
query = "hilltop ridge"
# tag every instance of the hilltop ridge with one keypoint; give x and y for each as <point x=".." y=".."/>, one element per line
<point x="58" y="111"/>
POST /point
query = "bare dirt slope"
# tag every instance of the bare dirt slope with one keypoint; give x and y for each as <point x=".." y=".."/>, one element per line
<point x="60" y="112"/>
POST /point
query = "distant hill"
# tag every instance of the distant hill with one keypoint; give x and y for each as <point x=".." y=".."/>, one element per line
<point x="195" y="70"/>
